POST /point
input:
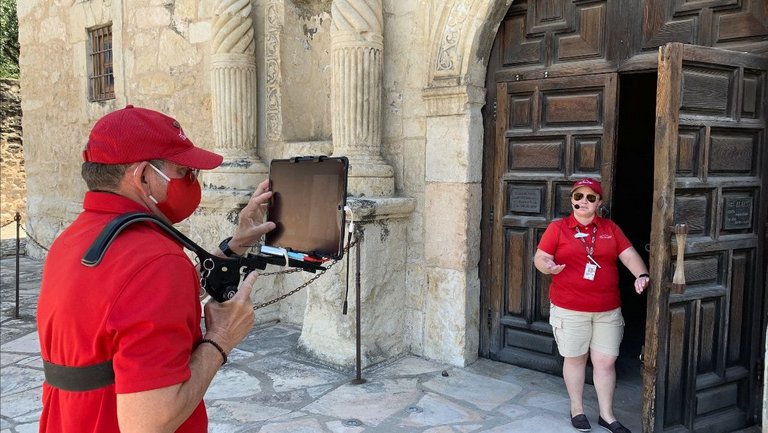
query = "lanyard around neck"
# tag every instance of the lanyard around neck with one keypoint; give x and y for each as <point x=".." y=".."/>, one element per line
<point x="593" y="239"/>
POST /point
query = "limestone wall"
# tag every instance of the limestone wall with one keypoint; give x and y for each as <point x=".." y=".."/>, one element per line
<point x="162" y="60"/>
<point x="13" y="188"/>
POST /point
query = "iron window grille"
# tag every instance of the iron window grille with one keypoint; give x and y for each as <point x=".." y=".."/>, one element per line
<point x="101" y="81"/>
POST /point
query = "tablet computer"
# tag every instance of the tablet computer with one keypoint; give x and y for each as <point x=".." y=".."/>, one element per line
<point x="308" y="198"/>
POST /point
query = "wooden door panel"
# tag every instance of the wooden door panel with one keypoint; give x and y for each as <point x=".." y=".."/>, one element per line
<point x="559" y="36"/>
<point x="708" y="23"/>
<point x="710" y="166"/>
<point x="548" y="133"/>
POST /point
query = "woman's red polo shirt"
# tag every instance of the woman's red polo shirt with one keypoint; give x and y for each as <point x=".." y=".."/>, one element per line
<point x="569" y="288"/>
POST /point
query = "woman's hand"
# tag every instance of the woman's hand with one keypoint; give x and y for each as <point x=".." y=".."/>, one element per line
<point x="545" y="263"/>
<point x="641" y="283"/>
<point x="553" y="268"/>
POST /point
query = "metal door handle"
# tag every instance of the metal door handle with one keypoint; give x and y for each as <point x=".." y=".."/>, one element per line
<point x="678" y="279"/>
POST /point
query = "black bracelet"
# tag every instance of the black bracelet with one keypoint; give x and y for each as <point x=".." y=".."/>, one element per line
<point x="216" y="345"/>
<point x="644" y="275"/>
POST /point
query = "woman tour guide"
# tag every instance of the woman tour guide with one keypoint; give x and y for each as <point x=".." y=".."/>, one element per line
<point x="580" y="251"/>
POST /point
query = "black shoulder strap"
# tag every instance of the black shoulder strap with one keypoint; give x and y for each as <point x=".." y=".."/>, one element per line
<point x="98" y="248"/>
<point x="219" y="276"/>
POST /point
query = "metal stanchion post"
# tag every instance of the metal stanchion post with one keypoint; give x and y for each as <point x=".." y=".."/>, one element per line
<point x="17" y="217"/>
<point x="358" y="359"/>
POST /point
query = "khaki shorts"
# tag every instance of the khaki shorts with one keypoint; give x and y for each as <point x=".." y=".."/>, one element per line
<point x="576" y="332"/>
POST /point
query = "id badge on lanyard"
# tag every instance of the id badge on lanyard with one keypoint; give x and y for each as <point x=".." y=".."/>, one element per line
<point x="589" y="271"/>
<point x="591" y="268"/>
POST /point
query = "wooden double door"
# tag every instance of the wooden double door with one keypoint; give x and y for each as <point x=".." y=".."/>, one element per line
<point x="680" y="147"/>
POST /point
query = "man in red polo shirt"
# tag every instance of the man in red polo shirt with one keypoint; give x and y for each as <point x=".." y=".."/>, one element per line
<point x="121" y="342"/>
<point x="581" y="253"/>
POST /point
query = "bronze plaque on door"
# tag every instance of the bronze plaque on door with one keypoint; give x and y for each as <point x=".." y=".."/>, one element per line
<point x="525" y="200"/>
<point x="738" y="213"/>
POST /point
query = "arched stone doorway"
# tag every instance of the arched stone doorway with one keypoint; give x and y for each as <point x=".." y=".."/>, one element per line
<point x="454" y="95"/>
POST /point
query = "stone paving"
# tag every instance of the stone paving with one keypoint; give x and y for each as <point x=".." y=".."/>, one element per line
<point x="272" y="387"/>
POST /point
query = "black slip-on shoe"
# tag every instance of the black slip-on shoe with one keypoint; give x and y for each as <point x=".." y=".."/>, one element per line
<point x="614" y="427"/>
<point x="580" y="422"/>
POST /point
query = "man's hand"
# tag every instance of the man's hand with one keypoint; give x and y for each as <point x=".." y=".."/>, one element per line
<point x="227" y="323"/>
<point x="165" y="409"/>
<point x="250" y="221"/>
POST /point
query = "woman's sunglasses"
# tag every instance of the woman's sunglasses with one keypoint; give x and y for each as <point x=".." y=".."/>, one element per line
<point x="590" y="197"/>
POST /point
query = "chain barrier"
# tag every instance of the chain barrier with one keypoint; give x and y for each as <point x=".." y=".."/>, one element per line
<point x="17" y="219"/>
<point x="29" y="236"/>
<point x="307" y="283"/>
<point x="265" y="274"/>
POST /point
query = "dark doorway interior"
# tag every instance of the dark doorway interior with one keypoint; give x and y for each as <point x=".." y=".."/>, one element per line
<point x="632" y="204"/>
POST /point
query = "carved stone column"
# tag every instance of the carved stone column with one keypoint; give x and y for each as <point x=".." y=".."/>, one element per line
<point x="357" y="43"/>
<point x="233" y="95"/>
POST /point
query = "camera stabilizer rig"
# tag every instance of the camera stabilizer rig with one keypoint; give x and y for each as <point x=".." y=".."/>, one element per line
<point x="219" y="276"/>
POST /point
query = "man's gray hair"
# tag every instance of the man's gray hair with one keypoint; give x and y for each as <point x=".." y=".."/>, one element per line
<point x="102" y="177"/>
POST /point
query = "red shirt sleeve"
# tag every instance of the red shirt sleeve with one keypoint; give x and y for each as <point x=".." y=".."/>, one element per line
<point x="155" y="324"/>
<point x="622" y="243"/>
<point x="550" y="238"/>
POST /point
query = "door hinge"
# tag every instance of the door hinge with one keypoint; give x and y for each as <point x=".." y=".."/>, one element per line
<point x="495" y="106"/>
<point x="490" y="318"/>
<point x="759" y="368"/>
<point x="491" y="212"/>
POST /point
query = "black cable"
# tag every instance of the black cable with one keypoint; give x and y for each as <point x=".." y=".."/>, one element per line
<point x="346" y="290"/>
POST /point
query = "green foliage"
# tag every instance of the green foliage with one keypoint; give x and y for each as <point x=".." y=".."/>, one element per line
<point x="9" y="40"/>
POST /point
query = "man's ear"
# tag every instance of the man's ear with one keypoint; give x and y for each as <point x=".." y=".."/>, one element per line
<point x="136" y="176"/>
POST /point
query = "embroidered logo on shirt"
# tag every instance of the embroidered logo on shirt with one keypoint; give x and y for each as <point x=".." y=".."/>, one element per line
<point x="606" y="236"/>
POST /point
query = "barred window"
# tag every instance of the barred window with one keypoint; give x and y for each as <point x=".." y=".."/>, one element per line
<point x="101" y="82"/>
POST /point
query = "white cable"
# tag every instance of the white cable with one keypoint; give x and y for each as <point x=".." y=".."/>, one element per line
<point x="351" y="225"/>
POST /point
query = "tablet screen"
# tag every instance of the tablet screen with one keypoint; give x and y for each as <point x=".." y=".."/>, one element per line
<point x="307" y="206"/>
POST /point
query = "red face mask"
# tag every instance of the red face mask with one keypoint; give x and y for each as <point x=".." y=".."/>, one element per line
<point x="182" y="197"/>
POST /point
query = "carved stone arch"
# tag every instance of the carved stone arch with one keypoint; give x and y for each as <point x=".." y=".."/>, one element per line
<point x="462" y="36"/>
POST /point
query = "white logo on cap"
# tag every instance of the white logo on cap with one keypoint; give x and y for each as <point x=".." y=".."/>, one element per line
<point x="177" y="125"/>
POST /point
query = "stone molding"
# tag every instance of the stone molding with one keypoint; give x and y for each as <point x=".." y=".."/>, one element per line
<point x="273" y="23"/>
<point x="452" y="101"/>
<point x="379" y="208"/>
<point x="459" y="27"/>
<point x="448" y="55"/>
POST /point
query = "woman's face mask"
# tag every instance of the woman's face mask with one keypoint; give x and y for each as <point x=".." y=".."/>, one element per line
<point x="182" y="198"/>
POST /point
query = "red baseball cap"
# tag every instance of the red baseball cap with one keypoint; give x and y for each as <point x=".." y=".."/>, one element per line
<point x="135" y="134"/>
<point x="589" y="183"/>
